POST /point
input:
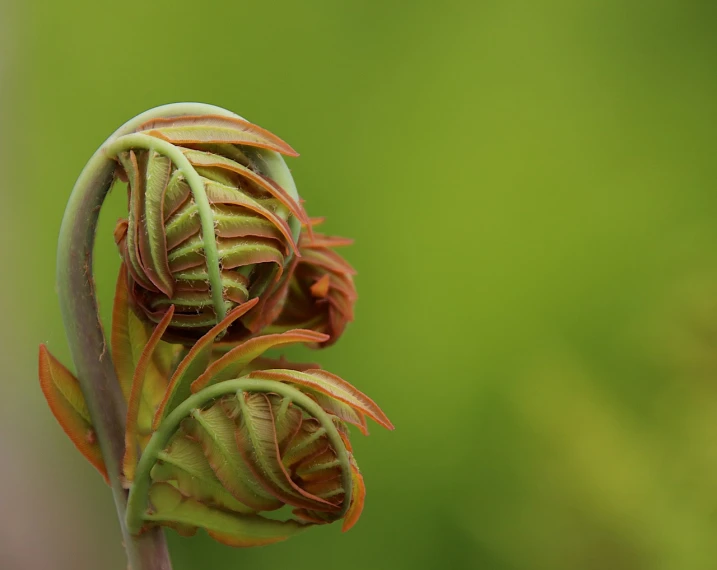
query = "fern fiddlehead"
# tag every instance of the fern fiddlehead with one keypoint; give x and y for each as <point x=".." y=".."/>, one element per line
<point x="192" y="426"/>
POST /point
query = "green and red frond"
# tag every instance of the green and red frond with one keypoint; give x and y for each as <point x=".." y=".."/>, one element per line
<point x="64" y="396"/>
<point x="320" y="293"/>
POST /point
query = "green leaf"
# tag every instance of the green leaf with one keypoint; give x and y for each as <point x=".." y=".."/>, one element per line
<point x="234" y="221"/>
<point x="332" y="386"/>
<point x="341" y="410"/>
<point x="320" y="467"/>
<point x="233" y="529"/>
<point x="123" y="349"/>
<point x="152" y="241"/>
<point x="184" y="463"/>
<point x="257" y="441"/>
<point x="287" y="420"/>
<point x="222" y="194"/>
<point x="133" y="167"/>
<point x="200" y="315"/>
<point x="234" y="284"/>
<point x="320" y="474"/>
<point x="240" y="252"/>
<point x="216" y="432"/>
<point x="183" y="223"/>
<point x="233" y="362"/>
<point x="187" y="255"/>
<point x="129" y="336"/>
<point x="177" y="193"/>
<point x="272" y="304"/>
<point x="233" y="252"/>
<point x="208" y="159"/>
<point x="193" y="129"/>
<point x="310" y="440"/>
<point x="196" y="361"/>
<point x="132" y="442"/>
<point x="222" y="176"/>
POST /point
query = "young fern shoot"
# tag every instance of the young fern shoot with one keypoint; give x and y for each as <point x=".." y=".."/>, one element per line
<point x="185" y="418"/>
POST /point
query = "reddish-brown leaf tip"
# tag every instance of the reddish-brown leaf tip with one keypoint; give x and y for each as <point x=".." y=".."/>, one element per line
<point x="64" y="396"/>
<point x="358" y="497"/>
<point x="191" y="129"/>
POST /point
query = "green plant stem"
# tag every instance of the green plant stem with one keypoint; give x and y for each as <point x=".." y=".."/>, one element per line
<point x="85" y="335"/>
<point x="137" y="503"/>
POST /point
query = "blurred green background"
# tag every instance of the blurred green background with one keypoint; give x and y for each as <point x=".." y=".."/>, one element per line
<point x="531" y="187"/>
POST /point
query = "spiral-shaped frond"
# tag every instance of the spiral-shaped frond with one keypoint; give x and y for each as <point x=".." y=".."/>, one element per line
<point x="253" y="450"/>
<point x="319" y="292"/>
<point x="213" y="219"/>
<point x="216" y="270"/>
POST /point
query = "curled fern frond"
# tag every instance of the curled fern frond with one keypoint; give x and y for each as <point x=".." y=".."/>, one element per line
<point x="319" y="293"/>
<point x="186" y="418"/>
<point x="213" y="220"/>
<point x="225" y="442"/>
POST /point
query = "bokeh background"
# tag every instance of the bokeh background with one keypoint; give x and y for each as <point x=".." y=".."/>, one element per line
<point x="531" y="187"/>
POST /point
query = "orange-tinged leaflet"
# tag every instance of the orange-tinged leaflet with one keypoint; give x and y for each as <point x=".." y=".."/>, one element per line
<point x="196" y="362"/>
<point x="64" y="396"/>
<point x="358" y="496"/>
<point x="233" y="362"/>
<point x="194" y="129"/>
<point x="131" y="443"/>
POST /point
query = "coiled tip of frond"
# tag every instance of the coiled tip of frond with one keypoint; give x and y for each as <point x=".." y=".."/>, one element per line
<point x="213" y="219"/>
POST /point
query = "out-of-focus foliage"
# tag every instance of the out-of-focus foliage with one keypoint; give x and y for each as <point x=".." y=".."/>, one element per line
<point x="531" y="188"/>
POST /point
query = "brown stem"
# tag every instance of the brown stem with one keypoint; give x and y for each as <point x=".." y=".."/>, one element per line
<point x="86" y="337"/>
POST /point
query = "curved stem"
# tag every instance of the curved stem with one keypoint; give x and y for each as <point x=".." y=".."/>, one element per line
<point x="273" y="164"/>
<point x="86" y="338"/>
<point x="137" y="503"/>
